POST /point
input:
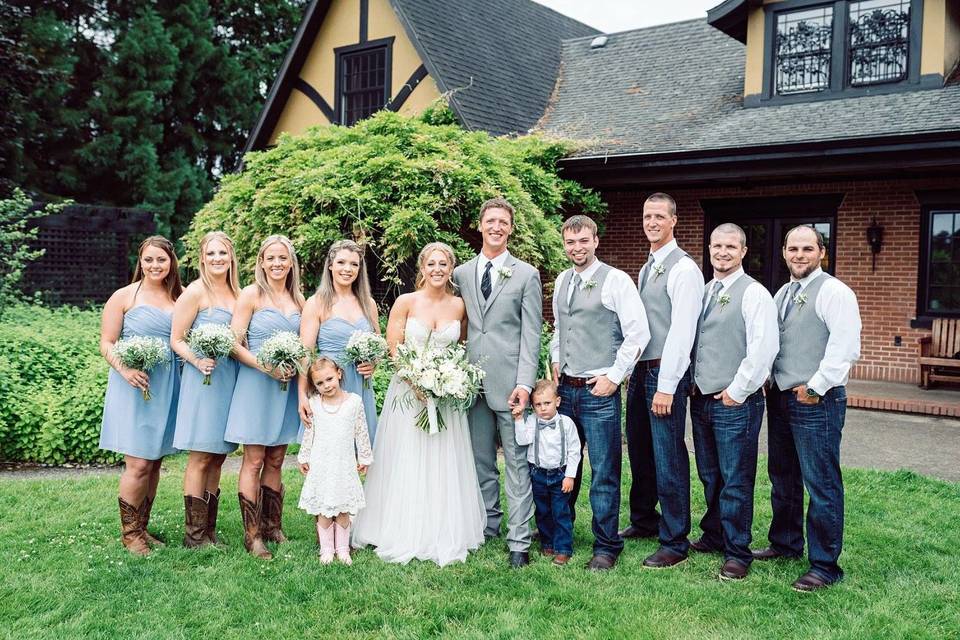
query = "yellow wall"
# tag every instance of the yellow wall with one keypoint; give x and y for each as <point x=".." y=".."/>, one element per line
<point x="753" y="74"/>
<point x="934" y="32"/>
<point x="340" y="28"/>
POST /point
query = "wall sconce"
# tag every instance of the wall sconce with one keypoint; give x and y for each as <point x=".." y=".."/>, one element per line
<point x="875" y="239"/>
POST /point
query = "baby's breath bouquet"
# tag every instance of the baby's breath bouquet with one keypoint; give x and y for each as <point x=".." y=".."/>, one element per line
<point x="211" y="340"/>
<point x="365" y="346"/>
<point x="440" y="377"/>
<point x="142" y="353"/>
<point x="282" y="349"/>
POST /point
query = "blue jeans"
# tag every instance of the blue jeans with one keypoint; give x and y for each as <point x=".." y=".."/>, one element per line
<point x="726" y="450"/>
<point x="804" y="451"/>
<point x="598" y="425"/>
<point x="643" y="470"/>
<point x="553" y="510"/>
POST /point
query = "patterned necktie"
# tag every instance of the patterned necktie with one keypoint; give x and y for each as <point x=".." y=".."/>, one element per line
<point x="712" y="300"/>
<point x="791" y="294"/>
<point x="485" y="283"/>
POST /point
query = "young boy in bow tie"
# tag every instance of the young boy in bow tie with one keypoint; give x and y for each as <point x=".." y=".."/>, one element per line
<point x="553" y="452"/>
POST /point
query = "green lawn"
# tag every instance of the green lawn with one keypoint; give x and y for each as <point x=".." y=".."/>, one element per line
<point x="65" y="575"/>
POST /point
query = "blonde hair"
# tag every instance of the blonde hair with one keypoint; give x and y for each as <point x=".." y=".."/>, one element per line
<point x="172" y="280"/>
<point x="422" y="258"/>
<point x="233" y="280"/>
<point x="542" y="386"/>
<point x="326" y="295"/>
<point x="292" y="284"/>
<point x="318" y="363"/>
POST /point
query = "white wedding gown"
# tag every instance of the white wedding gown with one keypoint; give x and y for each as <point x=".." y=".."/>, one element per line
<point x="423" y="498"/>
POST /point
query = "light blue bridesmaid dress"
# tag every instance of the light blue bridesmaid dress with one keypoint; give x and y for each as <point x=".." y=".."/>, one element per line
<point x="332" y="341"/>
<point x="203" y="409"/>
<point x="260" y="413"/>
<point x="131" y="425"/>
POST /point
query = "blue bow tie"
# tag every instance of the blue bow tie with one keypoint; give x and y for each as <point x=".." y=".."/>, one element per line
<point x="547" y="424"/>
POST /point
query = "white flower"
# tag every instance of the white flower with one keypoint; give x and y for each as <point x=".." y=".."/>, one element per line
<point x="723" y="299"/>
<point x="504" y="272"/>
<point x="589" y="284"/>
<point x="658" y="269"/>
<point x="800" y="299"/>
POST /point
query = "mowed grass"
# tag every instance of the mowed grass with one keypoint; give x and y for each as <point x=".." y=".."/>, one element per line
<point x="65" y="575"/>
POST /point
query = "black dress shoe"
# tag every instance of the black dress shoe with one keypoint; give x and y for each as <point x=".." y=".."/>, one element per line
<point x="769" y="553"/>
<point x="535" y="534"/>
<point x="663" y="558"/>
<point x="734" y="570"/>
<point x="636" y="532"/>
<point x="809" y="582"/>
<point x="519" y="559"/>
<point x="601" y="563"/>
<point x="700" y="546"/>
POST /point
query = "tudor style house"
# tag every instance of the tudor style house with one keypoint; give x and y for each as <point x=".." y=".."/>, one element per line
<point x="843" y="114"/>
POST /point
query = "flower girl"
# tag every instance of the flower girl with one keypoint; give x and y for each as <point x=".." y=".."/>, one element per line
<point x="335" y="450"/>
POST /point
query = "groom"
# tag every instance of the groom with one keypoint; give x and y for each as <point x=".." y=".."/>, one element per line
<point x="505" y="314"/>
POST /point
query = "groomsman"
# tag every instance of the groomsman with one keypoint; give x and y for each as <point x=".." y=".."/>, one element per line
<point x="600" y="329"/>
<point x="819" y="342"/>
<point x="737" y="340"/>
<point x="504" y="302"/>
<point x="671" y="287"/>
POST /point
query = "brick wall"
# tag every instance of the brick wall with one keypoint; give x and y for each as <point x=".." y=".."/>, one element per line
<point x="887" y="297"/>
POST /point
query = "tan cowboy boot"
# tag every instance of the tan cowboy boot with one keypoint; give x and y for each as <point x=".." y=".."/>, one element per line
<point x="250" y="513"/>
<point x="145" y="508"/>
<point x="213" y="506"/>
<point x="272" y="515"/>
<point x="131" y="529"/>
<point x="195" y="522"/>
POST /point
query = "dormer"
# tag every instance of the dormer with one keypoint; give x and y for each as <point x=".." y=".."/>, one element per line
<point x="807" y="50"/>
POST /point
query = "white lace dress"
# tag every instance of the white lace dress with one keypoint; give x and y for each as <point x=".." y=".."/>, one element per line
<point x="333" y="447"/>
<point x="423" y="498"/>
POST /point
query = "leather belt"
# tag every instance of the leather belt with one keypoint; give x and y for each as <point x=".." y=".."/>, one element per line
<point x="570" y="381"/>
<point x="644" y="365"/>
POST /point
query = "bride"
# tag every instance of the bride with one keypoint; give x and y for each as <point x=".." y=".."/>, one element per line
<point x="423" y="498"/>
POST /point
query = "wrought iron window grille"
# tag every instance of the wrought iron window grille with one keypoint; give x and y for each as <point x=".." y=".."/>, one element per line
<point x="879" y="41"/>
<point x="803" y="45"/>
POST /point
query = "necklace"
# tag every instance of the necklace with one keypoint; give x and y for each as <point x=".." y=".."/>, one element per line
<point x="325" y="410"/>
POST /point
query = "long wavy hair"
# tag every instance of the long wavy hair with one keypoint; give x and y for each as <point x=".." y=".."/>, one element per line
<point x="327" y="296"/>
<point x="172" y="279"/>
<point x="292" y="284"/>
<point x="233" y="280"/>
<point x="422" y="258"/>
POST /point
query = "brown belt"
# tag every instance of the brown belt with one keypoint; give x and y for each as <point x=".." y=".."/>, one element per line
<point x="644" y="365"/>
<point x="570" y="381"/>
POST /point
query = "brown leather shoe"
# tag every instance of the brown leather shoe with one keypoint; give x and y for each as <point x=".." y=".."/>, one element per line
<point x="601" y="563"/>
<point x="131" y="529"/>
<point x="636" y="532"/>
<point x="145" y="508"/>
<point x="272" y="514"/>
<point x="809" y="582"/>
<point x="561" y="559"/>
<point x="700" y="546"/>
<point x="547" y="551"/>
<point x="213" y="507"/>
<point x="195" y="512"/>
<point x="663" y="558"/>
<point x="769" y="553"/>
<point x="734" y="570"/>
<point x="250" y="513"/>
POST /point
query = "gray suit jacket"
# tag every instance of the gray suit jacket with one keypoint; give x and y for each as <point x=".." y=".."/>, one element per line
<point x="505" y="331"/>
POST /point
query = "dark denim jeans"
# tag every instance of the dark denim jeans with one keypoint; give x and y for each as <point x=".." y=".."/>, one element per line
<point x="670" y="458"/>
<point x="643" y="470"/>
<point x="553" y="509"/>
<point x="725" y="439"/>
<point x="598" y="425"/>
<point x="804" y="451"/>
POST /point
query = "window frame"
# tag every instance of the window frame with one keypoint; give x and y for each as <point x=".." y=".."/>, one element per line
<point x="930" y="202"/>
<point x="840" y="86"/>
<point x="341" y="52"/>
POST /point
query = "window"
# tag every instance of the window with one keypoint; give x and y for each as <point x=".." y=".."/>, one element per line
<point x="363" y="80"/>
<point x="940" y="282"/>
<point x="879" y="41"/>
<point x="803" y="50"/>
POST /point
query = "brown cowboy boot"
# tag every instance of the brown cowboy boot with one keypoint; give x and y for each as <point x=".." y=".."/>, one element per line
<point x="250" y="512"/>
<point x="272" y="514"/>
<point x="131" y="529"/>
<point x="145" y="508"/>
<point x="213" y="506"/>
<point x="195" y="522"/>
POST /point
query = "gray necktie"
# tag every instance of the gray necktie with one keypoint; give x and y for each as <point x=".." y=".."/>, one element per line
<point x="645" y="273"/>
<point x="791" y="294"/>
<point x="576" y="286"/>
<point x="712" y="300"/>
<point x="485" y="283"/>
<point x="546" y="424"/>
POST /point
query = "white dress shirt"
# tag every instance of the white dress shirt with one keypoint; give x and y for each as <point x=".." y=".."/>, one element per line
<point x="685" y="289"/>
<point x="763" y="336"/>
<point x="498" y="263"/>
<point x="551" y="455"/>
<point x="837" y="307"/>
<point x="620" y="296"/>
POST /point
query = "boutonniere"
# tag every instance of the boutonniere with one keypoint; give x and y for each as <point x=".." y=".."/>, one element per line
<point x="800" y="299"/>
<point x="504" y="272"/>
<point x="589" y="284"/>
<point x="659" y="270"/>
<point x="722" y="300"/>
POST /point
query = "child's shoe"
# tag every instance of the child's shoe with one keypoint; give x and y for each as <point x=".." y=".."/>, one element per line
<point x="326" y="537"/>
<point x="343" y="543"/>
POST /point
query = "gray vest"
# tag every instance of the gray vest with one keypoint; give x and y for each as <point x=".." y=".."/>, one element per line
<point x="657" y="304"/>
<point x="721" y="343"/>
<point x="589" y="332"/>
<point x="803" y="338"/>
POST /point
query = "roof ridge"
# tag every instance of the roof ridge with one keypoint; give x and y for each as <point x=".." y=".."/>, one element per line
<point x="646" y="28"/>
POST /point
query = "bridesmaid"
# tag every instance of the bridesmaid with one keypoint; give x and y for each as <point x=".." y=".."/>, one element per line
<point x="202" y="411"/>
<point x="262" y="417"/>
<point x="141" y="430"/>
<point x="341" y="305"/>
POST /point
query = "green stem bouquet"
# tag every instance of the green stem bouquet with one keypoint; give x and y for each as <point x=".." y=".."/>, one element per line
<point x="142" y="353"/>
<point x="212" y="340"/>
<point x="282" y="350"/>
<point x="364" y="346"/>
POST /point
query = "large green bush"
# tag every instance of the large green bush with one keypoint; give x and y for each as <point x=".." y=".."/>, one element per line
<point x="394" y="183"/>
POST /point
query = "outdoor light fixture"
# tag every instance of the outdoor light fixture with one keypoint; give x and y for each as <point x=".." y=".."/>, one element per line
<point x="875" y="239"/>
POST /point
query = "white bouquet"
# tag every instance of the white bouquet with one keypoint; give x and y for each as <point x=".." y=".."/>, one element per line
<point x="282" y="349"/>
<point x="364" y="346"/>
<point x="142" y="353"/>
<point x="212" y="341"/>
<point x="440" y="377"/>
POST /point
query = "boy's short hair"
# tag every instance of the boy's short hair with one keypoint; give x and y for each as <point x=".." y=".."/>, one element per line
<point x="542" y="386"/>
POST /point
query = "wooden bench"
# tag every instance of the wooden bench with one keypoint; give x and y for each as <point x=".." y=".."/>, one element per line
<point x="937" y="351"/>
